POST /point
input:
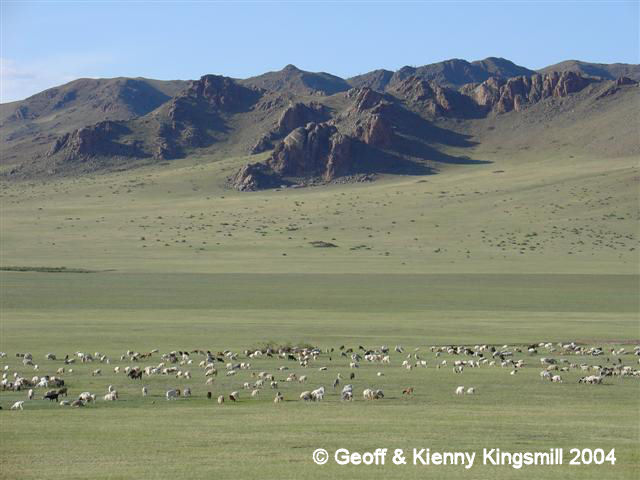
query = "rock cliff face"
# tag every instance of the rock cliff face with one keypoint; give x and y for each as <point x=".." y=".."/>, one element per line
<point x="515" y="93"/>
<point x="315" y="150"/>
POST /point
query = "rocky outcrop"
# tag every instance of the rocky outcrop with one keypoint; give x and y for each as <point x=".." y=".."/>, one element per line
<point x="298" y="115"/>
<point x="97" y="140"/>
<point x="433" y="98"/>
<point x="315" y="150"/>
<point x="620" y="81"/>
<point x="221" y="93"/>
<point x="255" y="176"/>
<point x="516" y="93"/>
<point x="262" y="145"/>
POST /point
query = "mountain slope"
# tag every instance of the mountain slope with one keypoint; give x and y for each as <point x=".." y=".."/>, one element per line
<point x="609" y="71"/>
<point x="293" y="80"/>
<point x="450" y="73"/>
<point x="312" y="127"/>
<point x="38" y="119"/>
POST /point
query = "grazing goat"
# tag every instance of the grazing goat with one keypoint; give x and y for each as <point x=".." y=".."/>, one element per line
<point x="172" y="394"/>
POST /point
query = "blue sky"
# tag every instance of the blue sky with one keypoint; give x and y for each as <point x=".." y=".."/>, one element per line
<point x="47" y="43"/>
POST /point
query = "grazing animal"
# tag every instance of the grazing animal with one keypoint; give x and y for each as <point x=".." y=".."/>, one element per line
<point x="407" y="391"/>
<point x="30" y="394"/>
<point x="220" y="399"/>
<point x="471" y="391"/>
<point x="51" y="396"/>
<point x="111" y="396"/>
<point x="18" y="405"/>
<point x="234" y="396"/>
<point x="279" y="398"/>
<point x="96" y="372"/>
<point x="62" y="391"/>
<point x="145" y="391"/>
<point x="172" y="394"/>
<point x="306" y="396"/>
<point x="460" y="390"/>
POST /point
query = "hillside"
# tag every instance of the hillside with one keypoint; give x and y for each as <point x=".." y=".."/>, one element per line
<point x="608" y="71"/>
<point x="31" y="125"/>
<point x="449" y="73"/>
<point x="307" y="128"/>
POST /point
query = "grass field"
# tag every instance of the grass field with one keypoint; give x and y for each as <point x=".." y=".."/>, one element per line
<point x="541" y="252"/>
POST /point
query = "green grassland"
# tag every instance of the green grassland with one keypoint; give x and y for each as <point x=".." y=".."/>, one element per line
<point x="520" y="250"/>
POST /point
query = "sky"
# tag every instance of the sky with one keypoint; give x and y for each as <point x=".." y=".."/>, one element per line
<point x="48" y="43"/>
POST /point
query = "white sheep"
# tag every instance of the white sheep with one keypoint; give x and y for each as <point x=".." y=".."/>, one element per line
<point x="111" y="396"/>
<point x="471" y="391"/>
<point x="18" y="405"/>
<point x="145" y="391"/>
<point x="460" y="390"/>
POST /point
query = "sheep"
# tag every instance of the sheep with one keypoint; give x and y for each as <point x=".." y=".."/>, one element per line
<point x="220" y="399"/>
<point x="87" y="397"/>
<point x="471" y="391"/>
<point x="64" y="403"/>
<point x="302" y="379"/>
<point x="77" y="403"/>
<point x="111" y="396"/>
<point x="96" y="372"/>
<point x="460" y="390"/>
<point x="318" y="394"/>
<point x="30" y="394"/>
<point x="234" y="396"/>
<point x="110" y="388"/>
<point x="306" y="396"/>
<point x="186" y="392"/>
<point x="145" y="391"/>
<point x="255" y="393"/>
<point x="172" y="394"/>
<point x="556" y="379"/>
<point x="347" y="393"/>
<point x="407" y="391"/>
<point x="18" y="405"/>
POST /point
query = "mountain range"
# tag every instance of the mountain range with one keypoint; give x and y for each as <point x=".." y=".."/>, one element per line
<point x="311" y="128"/>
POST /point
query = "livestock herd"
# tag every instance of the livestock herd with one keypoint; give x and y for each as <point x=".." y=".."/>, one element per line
<point x="558" y="358"/>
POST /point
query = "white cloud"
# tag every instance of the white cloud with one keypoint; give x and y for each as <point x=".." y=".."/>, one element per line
<point x="19" y="80"/>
